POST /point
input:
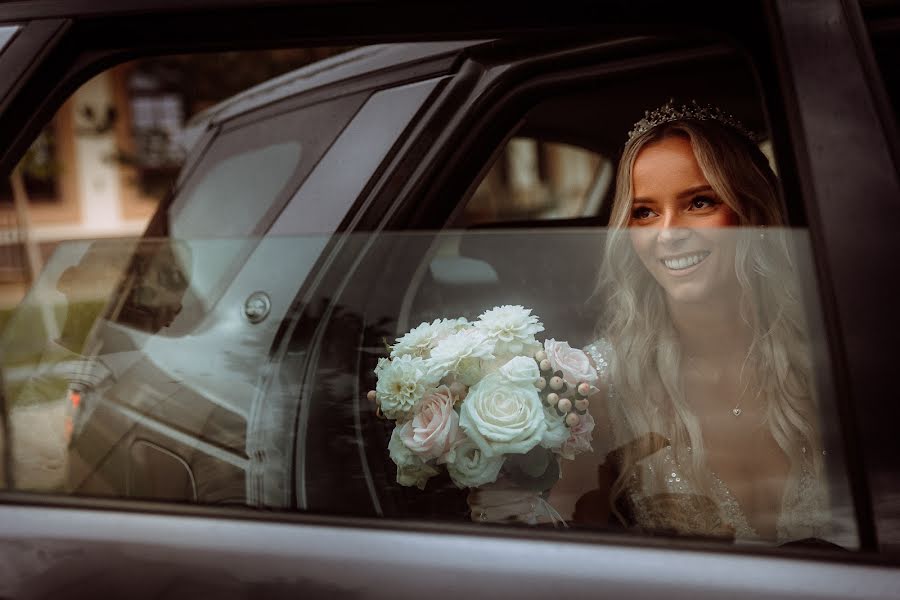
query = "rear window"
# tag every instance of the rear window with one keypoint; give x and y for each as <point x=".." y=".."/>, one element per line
<point x="242" y="180"/>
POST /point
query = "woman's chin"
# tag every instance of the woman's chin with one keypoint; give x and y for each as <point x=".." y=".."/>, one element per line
<point x="705" y="283"/>
<point x="692" y="292"/>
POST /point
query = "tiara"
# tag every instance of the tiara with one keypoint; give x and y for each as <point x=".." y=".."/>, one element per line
<point x="695" y="112"/>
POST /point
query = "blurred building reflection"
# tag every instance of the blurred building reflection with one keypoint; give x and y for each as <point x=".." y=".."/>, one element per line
<point x="113" y="150"/>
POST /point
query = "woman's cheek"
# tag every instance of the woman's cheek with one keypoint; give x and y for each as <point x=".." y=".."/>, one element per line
<point x="642" y="241"/>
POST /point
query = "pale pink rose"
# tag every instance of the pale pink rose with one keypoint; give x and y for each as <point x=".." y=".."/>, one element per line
<point x="433" y="431"/>
<point x="574" y="364"/>
<point x="579" y="438"/>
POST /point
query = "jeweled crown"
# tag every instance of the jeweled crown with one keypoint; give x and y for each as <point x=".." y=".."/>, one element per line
<point x="693" y="112"/>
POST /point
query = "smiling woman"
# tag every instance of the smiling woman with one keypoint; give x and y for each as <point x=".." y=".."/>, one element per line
<point x="704" y="351"/>
<point x="679" y="223"/>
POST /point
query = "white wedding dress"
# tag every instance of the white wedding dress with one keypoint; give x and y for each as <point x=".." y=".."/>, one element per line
<point x="668" y="502"/>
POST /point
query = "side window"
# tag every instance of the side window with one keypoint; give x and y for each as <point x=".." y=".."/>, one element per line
<point x="240" y="183"/>
<point x="535" y="179"/>
<point x="720" y="428"/>
<point x="555" y="352"/>
<point x="138" y="205"/>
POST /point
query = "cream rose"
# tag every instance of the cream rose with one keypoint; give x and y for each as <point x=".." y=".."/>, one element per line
<point x="574" y="364"/>
<point x="471" y="467"/>
<point x="434" y="429"/>
<point x="503" y="417"/>
<point x="522" y="370"/>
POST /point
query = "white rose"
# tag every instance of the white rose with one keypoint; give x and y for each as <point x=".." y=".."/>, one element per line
<point x="421" y="340"/>
<point x="511" y="327"/>
<point x="471" y="467"/>
<point x="521" y="369"/>
<point x="574" y="364"/>
<point x="503" y="417"/>
<point x="411" y="470"/>
<point x="461" y="354"/>
<point x="402" y="382"/>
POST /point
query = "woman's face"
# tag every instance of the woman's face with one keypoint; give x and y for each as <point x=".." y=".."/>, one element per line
<point x="679" y="226"/>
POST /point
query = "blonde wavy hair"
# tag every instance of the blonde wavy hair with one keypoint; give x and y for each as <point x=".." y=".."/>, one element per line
<point x="645" y="366"/>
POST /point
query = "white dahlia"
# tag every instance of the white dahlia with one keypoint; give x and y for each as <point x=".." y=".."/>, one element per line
<point x="421" y="340"/>
<point x="402" y="382"/>
<point x="461" y="355"/>
<point x="512" y="328"/>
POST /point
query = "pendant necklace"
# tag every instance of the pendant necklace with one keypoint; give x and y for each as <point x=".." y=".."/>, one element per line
<point x="715" y="375"/>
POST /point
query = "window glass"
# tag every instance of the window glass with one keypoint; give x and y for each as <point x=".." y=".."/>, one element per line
<point x="258" y="174"/>
<point x="556" y="355"/>
<point x="78" y="316"/>
<point x="536" y="180"/>
<point x="719" y="429"/>
<point x="245" y="176"/>
<point x="37" y="170"/>
<point x="218" y="205"/>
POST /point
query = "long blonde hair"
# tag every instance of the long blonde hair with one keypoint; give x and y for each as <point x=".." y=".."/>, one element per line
<point x="645" y="368"/>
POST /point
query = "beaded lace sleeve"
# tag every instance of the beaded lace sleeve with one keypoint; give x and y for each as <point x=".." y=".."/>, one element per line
<point x="600" y="352"/>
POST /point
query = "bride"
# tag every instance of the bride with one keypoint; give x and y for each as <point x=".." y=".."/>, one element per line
<point x="706" y="414"/>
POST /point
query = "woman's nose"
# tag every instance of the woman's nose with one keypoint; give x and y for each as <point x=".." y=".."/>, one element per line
<point x="672" y="231"/>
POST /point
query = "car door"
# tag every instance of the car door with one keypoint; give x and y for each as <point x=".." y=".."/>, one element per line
<point x="342" y="525"/>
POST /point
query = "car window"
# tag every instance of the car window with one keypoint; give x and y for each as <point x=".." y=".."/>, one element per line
<point x="528" y="243"/>
<point x="143" y="355"/>
<point x="538" y="353"/>
<point x="257" y="174"/>
<point x="227" y="186"/>
<point x="538" y="179"/>
<point x="243" y="178"/>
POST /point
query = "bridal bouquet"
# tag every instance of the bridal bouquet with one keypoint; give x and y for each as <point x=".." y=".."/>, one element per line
<point x="484" y="396"/>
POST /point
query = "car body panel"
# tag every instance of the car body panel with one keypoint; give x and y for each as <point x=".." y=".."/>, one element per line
<point x="47" y="550"/>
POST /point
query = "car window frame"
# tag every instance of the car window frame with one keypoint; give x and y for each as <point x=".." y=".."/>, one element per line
<point x="506" y="96"/>
<point x="826" y="47"/>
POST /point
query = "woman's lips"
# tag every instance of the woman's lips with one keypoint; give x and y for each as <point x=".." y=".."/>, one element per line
<point x="683" y="262"/>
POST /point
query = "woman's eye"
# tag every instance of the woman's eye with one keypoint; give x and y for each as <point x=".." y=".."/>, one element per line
<point x="701" y="202"/>
<point x="641" y="212"/>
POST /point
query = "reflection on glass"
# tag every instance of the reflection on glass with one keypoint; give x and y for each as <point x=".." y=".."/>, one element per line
<point x="731" y="439"/>
<point x="724" y="432"/>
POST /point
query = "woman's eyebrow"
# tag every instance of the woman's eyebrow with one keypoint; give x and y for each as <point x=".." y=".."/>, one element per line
<point x="694" y="190"/>
<point x="682" y="194"/>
